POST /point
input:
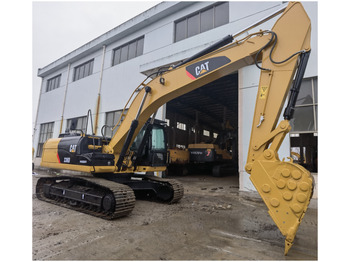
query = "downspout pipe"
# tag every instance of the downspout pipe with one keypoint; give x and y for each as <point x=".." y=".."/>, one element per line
<point x="99" y="90"/>
<point x="65" y="96"/>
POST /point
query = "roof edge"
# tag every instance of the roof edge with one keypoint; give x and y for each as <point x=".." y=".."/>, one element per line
<point x="136" y="23"/>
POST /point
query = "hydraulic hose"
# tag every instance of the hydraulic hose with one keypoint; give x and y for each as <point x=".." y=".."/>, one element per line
<point x="274" y="40"/>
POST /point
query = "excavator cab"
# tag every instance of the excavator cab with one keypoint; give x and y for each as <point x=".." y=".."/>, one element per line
<point x="151" y="145"/>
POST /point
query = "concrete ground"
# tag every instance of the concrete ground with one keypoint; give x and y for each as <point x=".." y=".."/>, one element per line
<point x="213" y="221"/>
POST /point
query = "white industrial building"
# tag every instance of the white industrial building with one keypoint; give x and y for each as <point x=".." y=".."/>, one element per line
<point x="102" y="74"/>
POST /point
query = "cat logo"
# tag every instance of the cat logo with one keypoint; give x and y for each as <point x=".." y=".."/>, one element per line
<point x="203" y="68"/>
<point x="72" y="148"/>
<point x="206" y="66"/>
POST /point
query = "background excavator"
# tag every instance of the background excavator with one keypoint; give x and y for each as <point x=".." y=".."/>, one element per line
<point x="139" y="146"/>
<point x="216" y="156"/>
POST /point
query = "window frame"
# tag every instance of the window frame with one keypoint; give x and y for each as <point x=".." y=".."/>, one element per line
<point x="314" y="106"/>
<point x="53" y="83"/>
<point x="304" y="142"/>
<point x="137" y="53"/>
<point x="83" y="123"/>
<point x="115" y="120"/>
<point x="45" y="133"/>
<point x="83" y="70"/>
<point x="212" y="16"/>
<point x="181" y="126"/>
<point x="199" y="13"/>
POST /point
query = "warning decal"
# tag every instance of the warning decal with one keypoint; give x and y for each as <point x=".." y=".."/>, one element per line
<point x="263" y="92"/>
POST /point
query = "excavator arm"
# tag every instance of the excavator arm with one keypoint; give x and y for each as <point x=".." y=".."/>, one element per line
<point x="285" y="187"/>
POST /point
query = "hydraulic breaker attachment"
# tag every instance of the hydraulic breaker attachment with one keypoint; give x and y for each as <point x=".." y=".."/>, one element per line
<point x="285" y="187"/>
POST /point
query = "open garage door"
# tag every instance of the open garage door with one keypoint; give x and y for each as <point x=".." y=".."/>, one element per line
<point x="204" y="123"/>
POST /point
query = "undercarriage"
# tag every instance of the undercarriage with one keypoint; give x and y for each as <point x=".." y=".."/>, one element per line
<point x="107" y="196"/>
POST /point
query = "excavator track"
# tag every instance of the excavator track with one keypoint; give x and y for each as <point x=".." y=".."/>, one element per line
<point x="176" y="186"/>
<point x="94" y="196"/>
<point x="149" y="187"/>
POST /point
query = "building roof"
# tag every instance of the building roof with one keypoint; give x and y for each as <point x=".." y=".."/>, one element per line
<point x="134" y="24"/>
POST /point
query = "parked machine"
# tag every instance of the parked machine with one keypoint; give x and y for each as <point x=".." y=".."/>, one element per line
<point x="109" y="192"/>
<point x="218" y="157"/>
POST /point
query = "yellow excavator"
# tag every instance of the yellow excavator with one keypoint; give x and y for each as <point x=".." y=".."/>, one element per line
<point x="218" y="156"/>
<point x="109" y="181"/>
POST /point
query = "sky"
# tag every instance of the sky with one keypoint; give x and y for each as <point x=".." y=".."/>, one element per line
<point x="63" y="26"/>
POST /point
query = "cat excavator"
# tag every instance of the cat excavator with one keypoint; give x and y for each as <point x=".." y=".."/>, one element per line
<point x="108" y="179"/>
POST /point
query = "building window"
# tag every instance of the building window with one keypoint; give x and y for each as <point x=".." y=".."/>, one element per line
<point x="180" y="146"/>
<point x="112" y="119"/>
<point x="180" y="126"/>
<point x="128" y="51"/>
<point x="53" y="83"/>
<point x="206" y="133"/>
<point x="305" y="114"/>
<point x="83" y="70"/>
<point x="77" y="123"/>
<point x="303" y="136"/>
<point x="202" y="21"/>
<point x="46" y="131"/>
